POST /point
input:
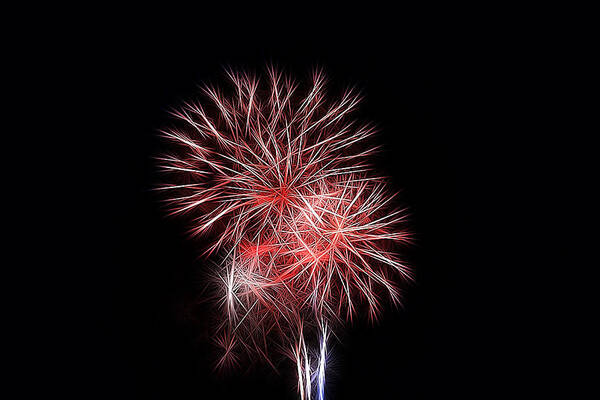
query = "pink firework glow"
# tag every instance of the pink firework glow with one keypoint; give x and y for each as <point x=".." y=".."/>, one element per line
<point x="303" y="232"/>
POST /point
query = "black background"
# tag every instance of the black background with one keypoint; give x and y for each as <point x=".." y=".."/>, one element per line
<point x="126" y="325"/>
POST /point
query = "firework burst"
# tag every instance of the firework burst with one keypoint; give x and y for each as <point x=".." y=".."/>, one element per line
<point x="278" y="177"/>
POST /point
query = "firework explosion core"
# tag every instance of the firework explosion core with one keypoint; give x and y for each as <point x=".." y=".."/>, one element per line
<point x="305" y="232"/>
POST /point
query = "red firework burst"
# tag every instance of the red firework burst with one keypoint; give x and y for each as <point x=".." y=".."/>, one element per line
<point x="304" y="230"/>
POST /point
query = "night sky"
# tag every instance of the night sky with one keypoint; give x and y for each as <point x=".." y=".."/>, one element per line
<point x="133" y="326"/>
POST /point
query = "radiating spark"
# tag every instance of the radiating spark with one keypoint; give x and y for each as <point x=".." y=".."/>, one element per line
<point x="322" y="363"/>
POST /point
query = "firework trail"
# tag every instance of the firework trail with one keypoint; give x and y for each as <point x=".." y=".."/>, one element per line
<point x="303" y="230"/>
